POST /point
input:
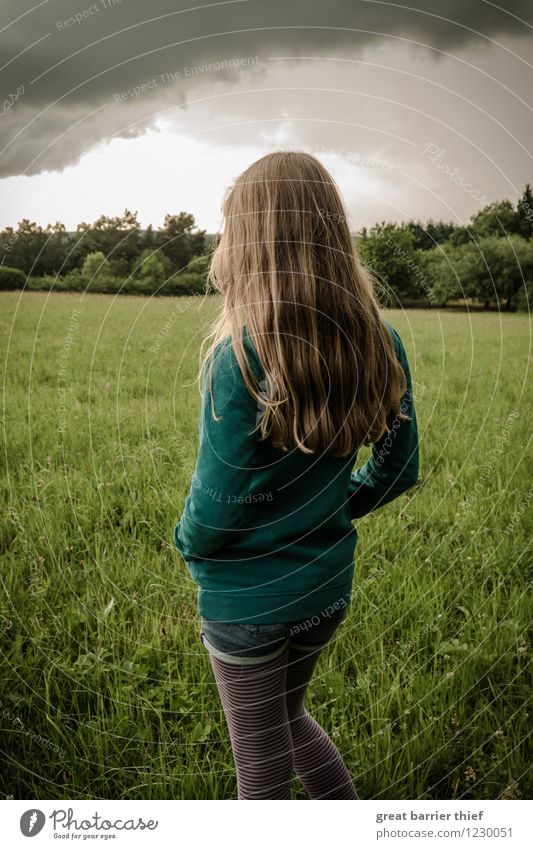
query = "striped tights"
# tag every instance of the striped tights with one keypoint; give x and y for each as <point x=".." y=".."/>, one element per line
<point x="273" y="735"/>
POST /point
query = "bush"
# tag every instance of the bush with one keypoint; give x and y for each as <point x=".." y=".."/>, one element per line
<point x="105" y="284"/>
<point x="74" y="281"/>
<point x="11" y="278"/>
<point x="151" y="269"/>
<point x="37" y="284"/>
<point x="198" y="265"/>
<point x="524" y="299"/>
<point x="388" y="251"/>
<point x="139" y="286"/>
<point x="95" y="267"/>
<point x="491" y="270"/>
<point x="186" y="283"/>
<point x="71" y="282"/>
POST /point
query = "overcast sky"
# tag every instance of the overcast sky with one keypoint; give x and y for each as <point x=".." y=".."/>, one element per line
<point x="158" y="106"/>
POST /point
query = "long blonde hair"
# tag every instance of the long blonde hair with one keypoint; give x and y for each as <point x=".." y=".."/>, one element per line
<point x="287" y="267"/>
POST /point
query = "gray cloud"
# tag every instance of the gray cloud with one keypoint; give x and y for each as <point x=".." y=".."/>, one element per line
<point x="76" y="72"/>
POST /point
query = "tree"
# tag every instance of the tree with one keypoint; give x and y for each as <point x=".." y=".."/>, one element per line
<point x="149" y="239"/>
<point x="11" y="278"/>
<point x="95" y="267"/>
<point x="513" y="265"/>
<point x="388" y="252"/>
<point x="495" y="268"/>
<point x="118" y="238"/>
<point x="441" y="268"/>
<point x="177" y="240"/>
<point x="496" y="219"/>
<point x="27" y="251"/>
<point x="525" y="213"/>
<point x="433" y="233"/>
<point x="152" y="268"/>
<point x="460" y="236"/>
<point x="491" y="269"/>
<point x="57" y="256"/>
<point x="8" y="241"/>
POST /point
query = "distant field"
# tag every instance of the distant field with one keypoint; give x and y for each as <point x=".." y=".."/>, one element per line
<point x="106" y="691"/>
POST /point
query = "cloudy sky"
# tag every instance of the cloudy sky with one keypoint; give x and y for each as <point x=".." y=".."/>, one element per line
<point x="419" y="110"/>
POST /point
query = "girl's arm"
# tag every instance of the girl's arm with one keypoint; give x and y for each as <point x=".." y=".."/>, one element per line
<point x="394" y="464"/>
<point x="213" y="510"/>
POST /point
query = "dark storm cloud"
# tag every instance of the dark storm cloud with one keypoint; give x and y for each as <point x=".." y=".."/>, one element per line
<point x="77" y="72"/>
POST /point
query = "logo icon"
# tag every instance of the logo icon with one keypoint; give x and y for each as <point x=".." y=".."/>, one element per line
<point x="31" y="822"/>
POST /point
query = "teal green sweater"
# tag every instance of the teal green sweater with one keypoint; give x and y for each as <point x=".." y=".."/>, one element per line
<point x="268" y="536"/>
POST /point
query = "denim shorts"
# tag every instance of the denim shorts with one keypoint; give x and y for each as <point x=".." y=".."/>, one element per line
<point x="244" y="643"/>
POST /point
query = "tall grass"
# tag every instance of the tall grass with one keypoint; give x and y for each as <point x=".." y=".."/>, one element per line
<point x="106" y="691"/>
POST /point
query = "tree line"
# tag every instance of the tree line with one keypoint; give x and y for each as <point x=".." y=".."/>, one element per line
<point x="112" y="255"/>
<point x="488" y="262"/>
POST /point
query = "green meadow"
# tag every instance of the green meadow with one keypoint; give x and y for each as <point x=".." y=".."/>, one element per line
<point x="105" y="689"/>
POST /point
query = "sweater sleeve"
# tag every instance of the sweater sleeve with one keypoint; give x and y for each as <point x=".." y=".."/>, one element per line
<point x="213" y="509"/>
<point x="394" y="464"/>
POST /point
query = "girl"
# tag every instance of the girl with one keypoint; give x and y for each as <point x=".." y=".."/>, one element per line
<point x="302" y="370"/>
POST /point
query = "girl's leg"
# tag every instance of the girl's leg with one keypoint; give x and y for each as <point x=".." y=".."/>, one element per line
<point x="317" y="761"/>
<point x="253" y="698"/>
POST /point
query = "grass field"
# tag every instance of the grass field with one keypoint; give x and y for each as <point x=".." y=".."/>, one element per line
<point x="106" y="691"/>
